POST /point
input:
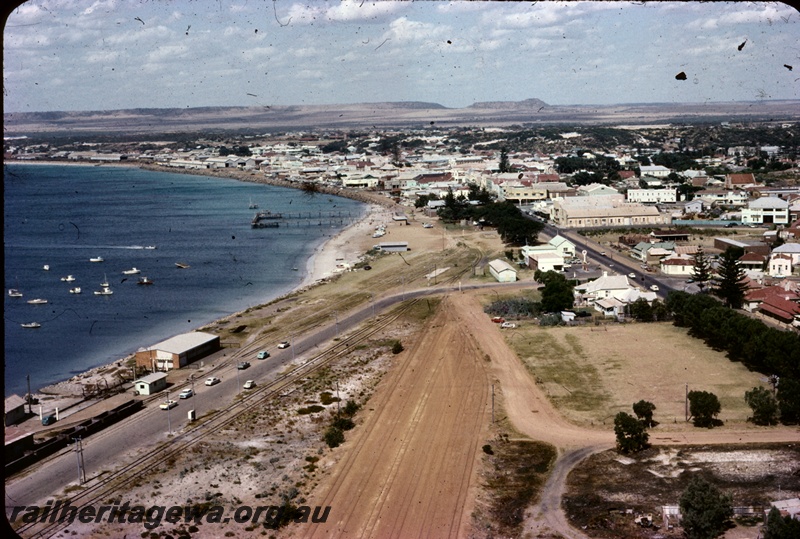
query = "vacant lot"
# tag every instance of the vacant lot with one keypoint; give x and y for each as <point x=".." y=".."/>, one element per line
<point x="604" y="487"/>
<point x="592" y="372"/>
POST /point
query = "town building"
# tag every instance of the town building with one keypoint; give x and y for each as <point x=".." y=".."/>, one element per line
<point x="177" y="351"/>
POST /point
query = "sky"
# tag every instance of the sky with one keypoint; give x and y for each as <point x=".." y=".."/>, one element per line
<point x="78" y="55"/>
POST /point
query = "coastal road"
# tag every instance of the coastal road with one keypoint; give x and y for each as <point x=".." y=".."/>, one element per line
<point x="148" y="429"/>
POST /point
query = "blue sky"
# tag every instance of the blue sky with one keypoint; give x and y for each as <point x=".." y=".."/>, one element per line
<point x="116" y="54"/>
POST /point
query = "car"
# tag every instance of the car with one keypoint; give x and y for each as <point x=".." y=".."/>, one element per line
<point x="48" y="420"/>
<point x="498" y="319"/>
<point x="654" y="287"/>
<point x="185" y="394"/>
<point x="249" y="384"/>
<point x="427" y="225"/>
<point x="243" y="365"/>
<point x="262" y="355"/>
<point x="284" y="344"/>
<point x="632" y="275"/>
<point x="168" y="404"/>
<point x="211" y="380"/>
<point x="367" y="267"/>
<point x="689" y="281"/>
<point x="508" y="325"/>
<point x="603" y="253"/>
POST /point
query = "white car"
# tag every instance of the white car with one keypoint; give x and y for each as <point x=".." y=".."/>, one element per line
<point x="427" y="225"/>
<point x="249" y="384"/>
<point x="508" y="325"/>
<point x="185" y="394"/>
<point x="632" y="275"/>
<point x="211" y="380"/>
<point x="284" y="344"/>
<point x="654" y="287"/>
<point x="167" y="405"/>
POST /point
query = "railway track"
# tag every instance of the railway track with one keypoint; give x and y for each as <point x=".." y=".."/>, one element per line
<point x="110" y="485"/>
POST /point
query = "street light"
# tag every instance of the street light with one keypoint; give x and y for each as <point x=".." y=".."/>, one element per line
<point x="169" y="420"/>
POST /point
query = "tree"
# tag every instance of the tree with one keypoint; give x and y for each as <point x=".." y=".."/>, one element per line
<point x="557" y="293"/>
<point x="704" y="407"/>
<point x="763" y="404"/>
<point x="644" y="411"/>
<point x="641" y="310"/>
<point x="732" y="286"/>
<point x="701" y="271"/>
<point x="705" y="510"/>
<point x="631" y="433"/>
<point x="504" y="165"/>
<point x="789" y="400"/>
<point x="781" y="527"/>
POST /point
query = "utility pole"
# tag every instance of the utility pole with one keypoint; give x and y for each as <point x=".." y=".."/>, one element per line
<point x="81" y="463"/>
<point x="30" y="397"/>
<point x="492" y="403"/>
<point x="686" y="402"/>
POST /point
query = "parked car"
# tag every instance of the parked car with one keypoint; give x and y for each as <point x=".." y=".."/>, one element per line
<point x="249" y="384"/>
<point x="262" y="355"/>
<point x="284" y="344"/>
<point x="427" y="225"/>
<point x="168" y="404"/>
<point x="654" y="287"/>
<point x="243" y="365"/>
<point x="367" y="267"/>
<point x="211" y="380"/>
<point x="498" y="319"/>
<point x="185" y="394"/>
<point x="603" y="253"/>
<point x="48" y="420"/>
<point x="632" y="275"/>
<point x="508" y="325"/>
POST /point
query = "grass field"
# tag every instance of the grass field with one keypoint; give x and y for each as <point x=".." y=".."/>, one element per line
<point x="592" y="372"/>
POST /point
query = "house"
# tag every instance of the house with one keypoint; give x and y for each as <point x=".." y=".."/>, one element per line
<point x="656" y="171"/>
<point x="606" y="286"/>
<point x="791" y="249"/>
<point x="780" y="265"/>
<point x="766" y="210"/>
<point x="565" y="247"/>
<point x="782" y="310"/>
<point x="642" y="250"/>
<point x="739" y="181"/>
<point x="152" y="383"/>
<point x="677" y="265"/>
<point x="755" y="296"/>
<point x="547" y="260"/>
<point x="693" y="206"/>
<point x="652" y="196"/>
<point x="752" y="261"/>
<point x="502" y="271"/>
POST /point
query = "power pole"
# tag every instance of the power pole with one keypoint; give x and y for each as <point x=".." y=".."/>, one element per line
<point x="30" y="397"/>
<point x="81" y="463"/>
<point x="686" y="402"/>
<point x="492" y="403"/>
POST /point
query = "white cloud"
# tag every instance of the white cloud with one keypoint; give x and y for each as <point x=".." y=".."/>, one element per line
<point x="349" y="10"/>
<point x="403" y="30"/>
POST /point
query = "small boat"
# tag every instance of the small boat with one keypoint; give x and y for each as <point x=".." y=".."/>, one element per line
<point x="96" y="259"/>
<point x="31" y="325"/>
<point x="68" y="279"/>
<point x="46" y="267"/>
<point x="37" y="301"/>
<point x="181" y="265"/>
<point x="144" y="280"/>
<point x="132" y="271"/>
<point x="76" y="290"/>
<point x="150" y="247"/>
<point x="14" y="293"/>
<point x="253" y="205"/>
<point x="106" y="291"/>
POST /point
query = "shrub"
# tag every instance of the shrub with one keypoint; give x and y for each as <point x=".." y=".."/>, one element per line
<point x="334" y="437"/>
<point x="397" y="347"/>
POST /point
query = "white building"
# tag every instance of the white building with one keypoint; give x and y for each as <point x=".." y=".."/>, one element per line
<point x="652" y="196"/>
<point x="766" y="210"/>
<point x="656" y="171"/>
<point x="780" y="265"/>
<point x="502" y="271"/>
<point x="602" y="211"/>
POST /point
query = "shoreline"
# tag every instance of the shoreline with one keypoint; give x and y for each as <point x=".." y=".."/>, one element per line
<point x="341" y="248"/>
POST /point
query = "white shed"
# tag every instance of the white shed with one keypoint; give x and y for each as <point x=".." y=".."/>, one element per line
<point x="502" y="271"/>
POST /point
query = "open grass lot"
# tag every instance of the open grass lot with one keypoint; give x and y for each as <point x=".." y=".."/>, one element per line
<point x="604" y="486"/>
<point x="592" y="372"/>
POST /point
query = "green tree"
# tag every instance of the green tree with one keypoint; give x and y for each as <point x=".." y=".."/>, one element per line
<point x="644" y="411"/>
<point x="334" y="436"/>
<point x="705" y="510"/>
<point x="557" y="293"/>
<point x="504" y="165"/>
<point x="701" y="270"/>
<point x="781" y="527"/>
<point x="732" y="286"/>
<point x="704" y="408"/>
<point x="641" y="310"/>
<point x="764" y="406"/>
<point x="789" y="400"/>
<point x="631" y="433"/>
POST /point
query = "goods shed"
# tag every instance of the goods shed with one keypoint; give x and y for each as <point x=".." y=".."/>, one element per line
<point x="177" y="351"/>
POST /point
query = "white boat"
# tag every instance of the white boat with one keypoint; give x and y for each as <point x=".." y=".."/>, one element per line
<point x="32" y="325"/>
<point x="253" y="205"/>
<point x="144" y="280"/>
<point x="46" y="267"/>
<point x="68" y="279"/>
<point x="37" y="301"/>
<point x="14" y="293"/>
<point x="76" y="290"/>
<point x="96" y="259"/>
<point x="105" y="284"/>
<point x="106" y="291"/>
<point x="181" y="265"/>
<point x="150" y="247"/>
<point x="132" y="271"/>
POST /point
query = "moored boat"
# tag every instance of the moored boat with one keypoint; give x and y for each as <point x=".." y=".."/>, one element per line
<point x="32" y="325"/>
<point x="144" y="280"/>
<point x="46" y="267"/>
<point x="106" y="291"/>
<point x="37" y="301"/>
<point x="132" y="271"/>
<point x="181" y="265"/>
<point x="68" y="279"/>
<point x="14" y="293"/>
<point x="96" y="259"/>
<point x="150" y="247"/>
<point x="76" y="290"/>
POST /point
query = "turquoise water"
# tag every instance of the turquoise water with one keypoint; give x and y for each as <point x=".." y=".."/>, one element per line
<point x="64" y="215"/>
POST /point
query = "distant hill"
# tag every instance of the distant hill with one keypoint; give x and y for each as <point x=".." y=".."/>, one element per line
<point x="384" y="115"/>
